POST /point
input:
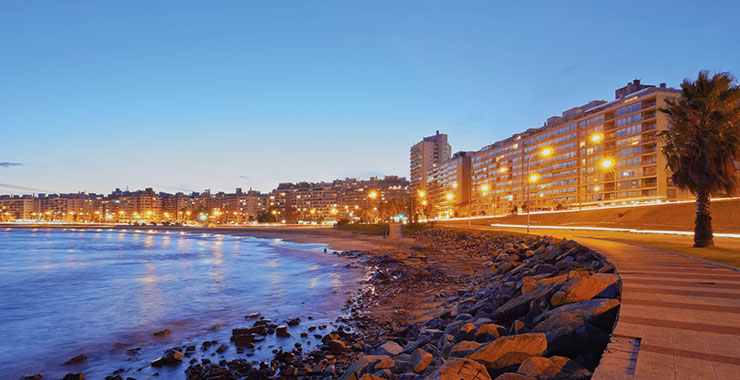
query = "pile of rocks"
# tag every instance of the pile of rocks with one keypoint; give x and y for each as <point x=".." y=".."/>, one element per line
<point x="546" y="311"/>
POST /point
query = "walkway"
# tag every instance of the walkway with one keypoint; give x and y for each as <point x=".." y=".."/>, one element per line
<point x="680" y="318"/>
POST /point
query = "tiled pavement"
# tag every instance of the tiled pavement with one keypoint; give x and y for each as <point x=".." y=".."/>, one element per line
<point x="680" y="318"/>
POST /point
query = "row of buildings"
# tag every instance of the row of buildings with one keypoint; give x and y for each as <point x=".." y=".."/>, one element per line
<point x="600" y="153"/>
<point x="349" y="198"/>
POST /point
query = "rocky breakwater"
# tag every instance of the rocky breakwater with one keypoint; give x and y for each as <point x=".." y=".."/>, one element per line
<point x="545" y="310"/>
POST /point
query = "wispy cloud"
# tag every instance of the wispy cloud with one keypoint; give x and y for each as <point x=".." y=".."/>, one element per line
<point x="16" y="187"/>
<point x="176" y="187"/>
<point x="5" y="164"/>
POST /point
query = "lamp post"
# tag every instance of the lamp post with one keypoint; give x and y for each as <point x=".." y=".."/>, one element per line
<point x="545" y="152"/>
<point x="449" y="197"/>
<point x="596" y="139"/>
<point x="372" y="195"/>
<point x="610" y="166"/>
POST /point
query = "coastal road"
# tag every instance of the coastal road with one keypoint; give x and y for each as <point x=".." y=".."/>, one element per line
<point x="680" y="318"/>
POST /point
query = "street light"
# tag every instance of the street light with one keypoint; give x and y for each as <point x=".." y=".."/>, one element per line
<point x="372" y="195"/>
<point x="449" y="197"/>
<point x="532" y="179"/>
<point x="609" y="165"/>
<point x="596" y="139"/>
<point x="544" y="153"/>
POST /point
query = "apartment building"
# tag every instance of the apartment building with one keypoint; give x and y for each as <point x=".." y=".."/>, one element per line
<point x="329" y="201"/>
<point x="16" y="207"/>
<point x="596" y="154"/>
<point x="448" y="186"/>
<point x="426" y="155"/>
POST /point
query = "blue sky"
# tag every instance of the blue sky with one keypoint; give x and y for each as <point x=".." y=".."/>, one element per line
<point x="184" y="95"/>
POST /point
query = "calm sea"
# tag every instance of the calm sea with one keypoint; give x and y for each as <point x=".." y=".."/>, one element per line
<point x="100" y="292"/>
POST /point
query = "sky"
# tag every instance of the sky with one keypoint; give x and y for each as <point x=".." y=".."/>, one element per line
<point x="193" y="95"/>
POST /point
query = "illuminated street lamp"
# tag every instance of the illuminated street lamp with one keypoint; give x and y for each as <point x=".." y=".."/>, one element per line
<point x="596" y="138"/>
<point x="610" y="165"/>
<point x="532" y="179"/>
<point x="372" y="195"/>
<point x="544" y="153"/>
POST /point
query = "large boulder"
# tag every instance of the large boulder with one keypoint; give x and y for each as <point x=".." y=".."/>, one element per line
<point x="466" y="332"/>
<point x="556" y="367"/>
<point x="510" y="351"/>
<point x="420" y="360"/>
<point x="464" y="349"/>
<point x="389" y="348"/>
<point x="520" y="305"/>
<point x="601" y="312"/>
<point x="570" y="335"/>
<point x="579" y="289"/>
<point x="364" y="364"/>
<point x="460" y="369"/>
<point x="488" y="332"/>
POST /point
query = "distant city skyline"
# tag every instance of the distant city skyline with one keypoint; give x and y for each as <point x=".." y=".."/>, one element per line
<point x="186" y="96"/>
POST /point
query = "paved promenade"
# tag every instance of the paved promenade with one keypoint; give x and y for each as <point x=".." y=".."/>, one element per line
<point x="680" y="318"/>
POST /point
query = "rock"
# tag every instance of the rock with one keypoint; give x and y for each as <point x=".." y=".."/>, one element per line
<point x="294" y="322"/>
<point x="74" y="376"/>
<point x="359" y="367"/>
<point x="420" y="360"/>
<point x="581" y="289"/>
<point x="282" y="331"/>
<point x="460" y="369"/>
<point x="244" y="341"/>
<point x="517" y="327"/>
<point x="514" y="376"/>
<point x="384" y="362"/>
<point x="466" y="332"/>
<point x="570" y="335"/>
<point x="368" y="376"/>
<point x="336" y="346"/>
<point x="464" y="349"/>
<point x="252" y="316"/>
<point x="222" y="348"/>
<point x="556" y="367"/>
<point x="601" y="312"/>
<point x="389" y="348"/>
<point x="32" y="377"/>
<point x="162" y="333"/>
<point x="170" y="357"/>
<point x="76" y="360"/>
<point x="519" y="306"/>
<point x="510" y="350"/>
<point x="488" y="332"/>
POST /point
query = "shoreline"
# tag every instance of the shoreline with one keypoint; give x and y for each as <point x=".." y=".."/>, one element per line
<point x="334" y="239"/>
<point x="450" y="284"/>
<point x="117" y="354"/>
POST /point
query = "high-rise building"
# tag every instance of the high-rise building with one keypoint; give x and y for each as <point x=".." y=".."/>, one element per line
<point x="596" y="154"/>
<point x="426" y="155"/>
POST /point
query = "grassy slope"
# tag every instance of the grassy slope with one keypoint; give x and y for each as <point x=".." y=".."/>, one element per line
<point x="725" y="217"/>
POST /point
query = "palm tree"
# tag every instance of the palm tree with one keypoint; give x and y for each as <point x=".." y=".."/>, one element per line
<point x="702" y="142"/>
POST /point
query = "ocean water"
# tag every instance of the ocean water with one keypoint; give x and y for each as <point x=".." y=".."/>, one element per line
<point x="102" y="292"/>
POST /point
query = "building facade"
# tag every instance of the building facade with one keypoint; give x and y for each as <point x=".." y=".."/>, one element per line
<point x="426" y="155"/>
<point x="448" y="186"/>
<point x="601" y="153"/>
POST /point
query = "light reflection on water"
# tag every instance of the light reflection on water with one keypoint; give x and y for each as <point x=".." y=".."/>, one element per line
<point x="71" y="292"/>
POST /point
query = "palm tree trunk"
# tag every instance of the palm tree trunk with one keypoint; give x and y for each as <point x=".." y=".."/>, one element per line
<point x="703" y="225"/>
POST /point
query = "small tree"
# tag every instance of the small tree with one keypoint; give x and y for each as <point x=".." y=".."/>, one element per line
<point x="702" y="142"/>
